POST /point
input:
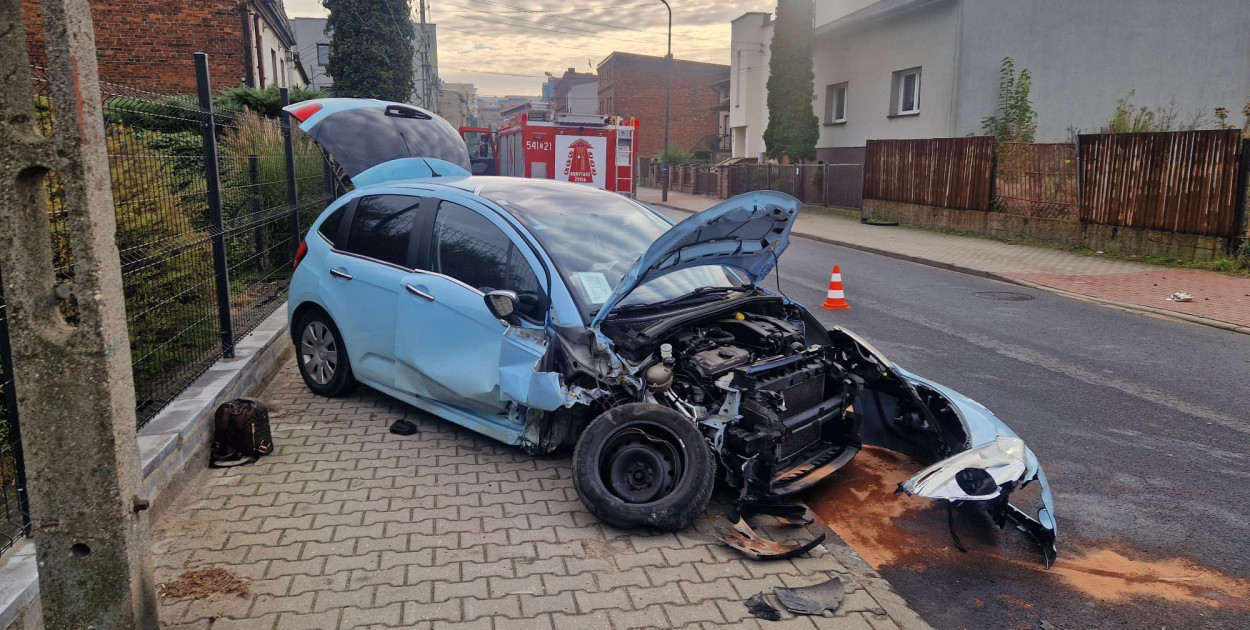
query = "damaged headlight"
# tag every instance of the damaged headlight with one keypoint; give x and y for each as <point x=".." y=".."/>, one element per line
<point x="973" y="475"/>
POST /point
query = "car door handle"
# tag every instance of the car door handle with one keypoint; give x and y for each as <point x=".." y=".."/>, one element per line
<point x="418" y="292"/>
<point x="340" y="274"/>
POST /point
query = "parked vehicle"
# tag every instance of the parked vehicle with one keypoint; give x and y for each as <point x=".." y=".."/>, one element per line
<point x="547" y="315"/>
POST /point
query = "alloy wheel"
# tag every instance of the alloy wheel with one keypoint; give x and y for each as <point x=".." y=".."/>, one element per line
<point x="319" y="352"/>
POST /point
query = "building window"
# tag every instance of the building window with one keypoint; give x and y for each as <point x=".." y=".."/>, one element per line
<point x="273" y="64"/>
<point x="323" y="54"/>
<point x="906" y="92"/>
<point x="835" y="103"/>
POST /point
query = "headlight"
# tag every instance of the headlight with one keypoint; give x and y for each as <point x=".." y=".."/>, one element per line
<point x="973" y="475"/>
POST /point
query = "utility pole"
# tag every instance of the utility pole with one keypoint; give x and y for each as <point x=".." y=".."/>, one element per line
<point x="426" y="92"/>
<point x="74" y="384"/>
<point x="668" y="72"/>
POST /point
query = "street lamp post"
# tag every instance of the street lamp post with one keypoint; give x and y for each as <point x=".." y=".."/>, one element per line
<point x="668" y="71"/>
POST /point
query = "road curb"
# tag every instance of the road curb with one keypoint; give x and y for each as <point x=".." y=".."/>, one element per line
<point x="1137" y="308"/>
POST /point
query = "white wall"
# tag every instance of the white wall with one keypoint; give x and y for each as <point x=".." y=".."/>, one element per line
<point x="583" y="99"/>
<point x="865" y="55"/>
<point x="826" y="11"/>
<point x="1085" y="55"/>
<point x="748" y="80"/>
<point x="284" y="74"/>
<point x="308" y="33"/>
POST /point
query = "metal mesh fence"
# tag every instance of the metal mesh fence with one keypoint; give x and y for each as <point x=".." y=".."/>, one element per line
<point x="165" y="231"/>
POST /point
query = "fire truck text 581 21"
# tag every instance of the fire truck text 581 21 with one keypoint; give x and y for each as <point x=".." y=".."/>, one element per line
<point x="538" y="145"/>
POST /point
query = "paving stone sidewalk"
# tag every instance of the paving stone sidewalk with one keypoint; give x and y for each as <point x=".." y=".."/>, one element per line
<point x="349" y="526"/>
<point x="1219" y="299"/>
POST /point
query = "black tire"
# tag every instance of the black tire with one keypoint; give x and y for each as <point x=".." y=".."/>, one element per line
<point x="642" y="464"/>
<point x="322" y="357"/>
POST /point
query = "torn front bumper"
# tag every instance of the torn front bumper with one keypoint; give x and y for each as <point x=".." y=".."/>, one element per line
<point x="996" y="464"/>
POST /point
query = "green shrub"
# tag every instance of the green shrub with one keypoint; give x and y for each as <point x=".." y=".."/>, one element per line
<point x="267" y="102"/>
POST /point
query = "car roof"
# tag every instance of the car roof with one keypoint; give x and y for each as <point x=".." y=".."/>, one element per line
<point x="499" y="185"/>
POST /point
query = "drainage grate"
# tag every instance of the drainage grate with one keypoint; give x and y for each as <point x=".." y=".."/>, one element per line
<point x="1004" y="296"/>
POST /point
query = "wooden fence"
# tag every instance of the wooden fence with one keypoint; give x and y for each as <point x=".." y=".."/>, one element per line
<point x="1037" y="180"/>
<point x="1178" y="182"/>
<point x="945" y="172"/>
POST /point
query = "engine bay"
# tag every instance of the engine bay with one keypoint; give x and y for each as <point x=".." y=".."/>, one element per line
<point x="773" y="405"/>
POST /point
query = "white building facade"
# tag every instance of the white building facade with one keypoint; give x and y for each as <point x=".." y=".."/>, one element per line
<point x="930" y="68"/>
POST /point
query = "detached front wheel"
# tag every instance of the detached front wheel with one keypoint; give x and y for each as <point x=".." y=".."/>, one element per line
<point x="643" y="464"/>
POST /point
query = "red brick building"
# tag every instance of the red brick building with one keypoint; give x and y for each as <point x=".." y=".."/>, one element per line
<point x="148" y="44"/>
<point x="633" y="85"/>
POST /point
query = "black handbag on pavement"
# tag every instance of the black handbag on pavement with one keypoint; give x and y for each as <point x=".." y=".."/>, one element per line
<point x="240" y="433"/>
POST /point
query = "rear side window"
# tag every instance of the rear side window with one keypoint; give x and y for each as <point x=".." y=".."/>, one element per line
<point x="469" y="248"/>
<point x="330" y="227"/>
<point x="382" y="228"/>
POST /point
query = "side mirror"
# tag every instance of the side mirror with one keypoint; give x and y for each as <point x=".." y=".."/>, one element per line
<point x="480" y="167"/>
<point x="502" y="304"/>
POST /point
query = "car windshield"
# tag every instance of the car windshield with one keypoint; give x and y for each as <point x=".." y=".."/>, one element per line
<point x="594" y="237"/>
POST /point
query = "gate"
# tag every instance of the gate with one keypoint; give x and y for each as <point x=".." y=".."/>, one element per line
<point x="14" y="512"/>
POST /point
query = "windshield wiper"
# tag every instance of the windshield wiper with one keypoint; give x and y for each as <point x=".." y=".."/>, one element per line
<point x="701" y="292"/>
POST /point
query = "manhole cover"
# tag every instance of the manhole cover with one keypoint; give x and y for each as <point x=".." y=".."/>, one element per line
<point x="1004" y="296"/>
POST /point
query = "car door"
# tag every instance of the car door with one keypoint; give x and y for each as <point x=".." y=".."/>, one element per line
<point x="448" y="345"/>
<point x="366" y="274"/>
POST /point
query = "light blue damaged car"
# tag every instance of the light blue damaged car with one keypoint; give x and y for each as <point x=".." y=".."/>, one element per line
<point x="546" y="314"/>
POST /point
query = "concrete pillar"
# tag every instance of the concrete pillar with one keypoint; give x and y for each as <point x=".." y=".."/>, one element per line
<point x="74" y="384"/>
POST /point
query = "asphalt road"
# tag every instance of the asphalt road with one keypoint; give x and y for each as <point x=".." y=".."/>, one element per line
<point x="1140" y="422"/>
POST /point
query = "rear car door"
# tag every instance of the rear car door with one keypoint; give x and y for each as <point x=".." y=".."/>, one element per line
<point x="448" y="345"/>
<point x="367" y="274"/>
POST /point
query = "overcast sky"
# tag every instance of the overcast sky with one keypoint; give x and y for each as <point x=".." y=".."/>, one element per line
<point x="485" y="42"/>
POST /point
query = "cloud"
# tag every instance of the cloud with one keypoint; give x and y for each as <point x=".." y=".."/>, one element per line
<point x="530" y="36"/>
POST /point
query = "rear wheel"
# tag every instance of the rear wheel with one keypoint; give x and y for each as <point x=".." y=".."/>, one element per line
<point x="643" y="464"/>
<point x="321" y="356"/>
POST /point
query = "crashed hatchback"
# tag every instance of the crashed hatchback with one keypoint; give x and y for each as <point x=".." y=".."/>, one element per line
<point x="547" y="315"/>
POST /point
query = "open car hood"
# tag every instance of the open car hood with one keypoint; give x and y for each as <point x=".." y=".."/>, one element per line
<point x="747" y="232"/>
<point x="361" y="134"/>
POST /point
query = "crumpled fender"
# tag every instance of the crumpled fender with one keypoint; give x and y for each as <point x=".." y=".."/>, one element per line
<point x="519" y="377"/>
<point x="984" y="431"/>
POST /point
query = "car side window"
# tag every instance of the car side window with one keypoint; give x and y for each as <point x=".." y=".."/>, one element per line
<point x="469" y="248"/>
<point x="381" y="228"/>
<point x="330" y="227"/>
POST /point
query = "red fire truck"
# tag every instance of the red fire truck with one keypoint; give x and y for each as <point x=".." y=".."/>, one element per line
<point x="587" y="149"/>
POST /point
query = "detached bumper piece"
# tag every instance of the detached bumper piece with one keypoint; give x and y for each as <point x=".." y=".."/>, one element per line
<point x="741" y="536"/>
<point x="989" y="473"/>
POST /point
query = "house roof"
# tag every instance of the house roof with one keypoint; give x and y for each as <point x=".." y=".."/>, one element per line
<point x="877" y="11"/>
<point x="616" y="54"/>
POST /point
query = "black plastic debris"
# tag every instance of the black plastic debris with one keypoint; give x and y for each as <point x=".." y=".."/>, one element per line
<point x="811" y="600"/>
<point x="403" y="427"/>
<point x="761" y="608"/>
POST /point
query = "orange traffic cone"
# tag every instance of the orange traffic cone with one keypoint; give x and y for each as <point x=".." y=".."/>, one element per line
<point x="836" y="301"/>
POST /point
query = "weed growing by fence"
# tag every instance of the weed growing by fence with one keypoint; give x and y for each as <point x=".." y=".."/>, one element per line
<point x="1016" y="120"/>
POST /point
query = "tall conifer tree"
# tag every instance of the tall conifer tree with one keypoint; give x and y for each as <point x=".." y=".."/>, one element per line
<point x="371" y="48"/>
<point x="793" y="128"/>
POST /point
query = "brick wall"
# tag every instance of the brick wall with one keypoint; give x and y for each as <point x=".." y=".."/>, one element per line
<point x="148" y="44"/>
<point x="633" y="85"/>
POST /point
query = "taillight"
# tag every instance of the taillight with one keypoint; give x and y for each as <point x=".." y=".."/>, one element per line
<point x="300" y="254"/>
<point x="302" y="113"/>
